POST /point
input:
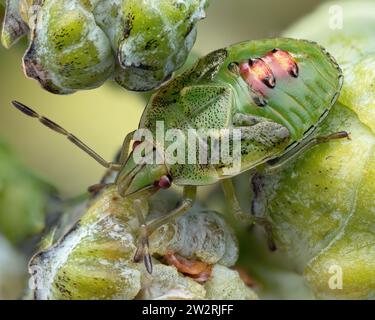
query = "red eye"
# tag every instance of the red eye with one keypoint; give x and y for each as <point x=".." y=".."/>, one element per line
<point x="136" y="144"/>
<point x="164" y="182"/>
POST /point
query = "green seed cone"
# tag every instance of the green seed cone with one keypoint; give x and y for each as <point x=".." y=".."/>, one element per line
<point x="77" y="44"/>
<point x="68" y="51"/>
<point x="155" y="39"/>
<point x="323" y="205"/>
<point x="94" y="259"/>
<point x="13" y="26"/>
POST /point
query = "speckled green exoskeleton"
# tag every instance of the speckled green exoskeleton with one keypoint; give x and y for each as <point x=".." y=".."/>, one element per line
<point x="275" y="91"/>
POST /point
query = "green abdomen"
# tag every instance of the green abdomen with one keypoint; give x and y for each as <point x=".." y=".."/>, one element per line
<point x="293" y="82"/>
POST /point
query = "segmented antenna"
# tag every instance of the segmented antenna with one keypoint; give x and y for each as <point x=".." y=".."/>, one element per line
<point x="72" y="138"/>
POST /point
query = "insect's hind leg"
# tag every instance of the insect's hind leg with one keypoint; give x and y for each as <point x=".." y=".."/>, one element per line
<point x="303" y="146"/>
<point x="257" y="181"/>
<point x="259" y="207"/>
<point x="257" y="217"/>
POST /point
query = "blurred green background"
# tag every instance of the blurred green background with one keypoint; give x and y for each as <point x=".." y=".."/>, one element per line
<point x="102" y="117"/>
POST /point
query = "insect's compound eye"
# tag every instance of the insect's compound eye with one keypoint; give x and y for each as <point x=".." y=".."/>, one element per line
<point x="234" y="67"/>
<point x="165" y="182"/>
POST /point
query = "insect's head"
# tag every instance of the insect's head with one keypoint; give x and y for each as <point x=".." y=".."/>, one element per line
<point x="138" y="176"/>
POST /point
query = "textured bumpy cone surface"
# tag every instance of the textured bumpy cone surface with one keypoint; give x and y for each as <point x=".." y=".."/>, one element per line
<point x="323" y="207"/>
<point x="77" y="44"/>
<point x="94" y="259"/>
<point x="200" y="236"/>
<point x="323" y="204"/>
<point x="154" y="40"/>
<point x="14" y="27"/>
<point x="225" y="284"/>
<point x="68" y="50"/>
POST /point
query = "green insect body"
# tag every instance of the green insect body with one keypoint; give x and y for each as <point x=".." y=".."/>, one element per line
<point x="274" y="91"/>
<point x="220" y="91"/>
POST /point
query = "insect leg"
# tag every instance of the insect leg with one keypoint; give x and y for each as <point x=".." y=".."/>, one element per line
<point x="55" y="127"/>
<point x="121" y="158"/>
<point x="96" y="188"/>
<point x="259" y="201"/>
<point x="242" y="120"/>
<point x="146" y="229"/>
<point x="125" y="147"/>
<point x="230" y="196"/>
<point x="259" y="207"/>
<point x="143" y="244"/>
<point x="303" y="146"/>
<point x="252" y="219"/>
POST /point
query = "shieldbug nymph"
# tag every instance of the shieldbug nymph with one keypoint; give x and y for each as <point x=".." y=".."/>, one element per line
<point x="274" y="91"/>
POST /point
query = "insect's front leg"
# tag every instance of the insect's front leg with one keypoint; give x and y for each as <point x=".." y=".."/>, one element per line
<point x="146" y="229"/>
<point x="96" y="188"/>
<point x="125" y="147"/>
